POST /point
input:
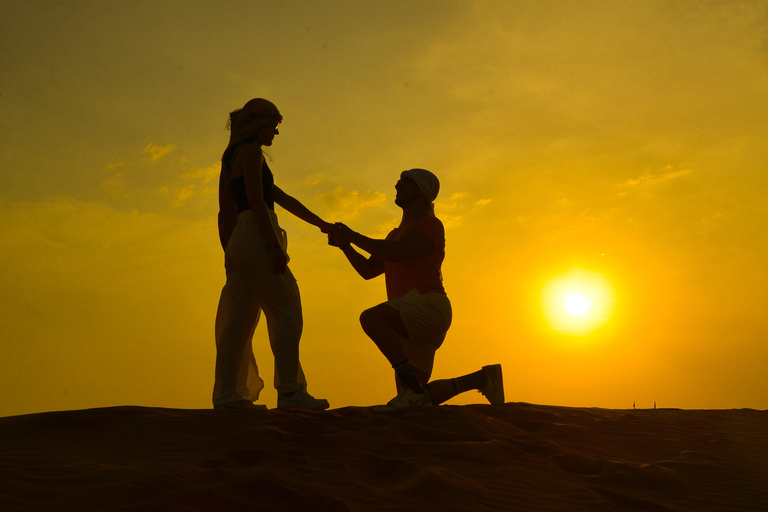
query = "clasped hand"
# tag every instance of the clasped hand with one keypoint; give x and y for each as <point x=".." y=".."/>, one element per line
<point x="340" y="235"/>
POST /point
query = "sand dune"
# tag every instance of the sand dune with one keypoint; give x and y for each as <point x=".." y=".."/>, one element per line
<point x="475" y="458"/>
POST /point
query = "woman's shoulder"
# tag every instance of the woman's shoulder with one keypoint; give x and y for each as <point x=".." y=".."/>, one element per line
<point x="250" y="149"/>
<point x="248" y="154"/>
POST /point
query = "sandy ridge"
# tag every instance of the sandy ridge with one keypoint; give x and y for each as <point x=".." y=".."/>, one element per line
<point x="514" y="457"/>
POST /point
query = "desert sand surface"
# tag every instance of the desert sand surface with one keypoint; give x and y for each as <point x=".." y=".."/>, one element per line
<point x="476" y="458"/>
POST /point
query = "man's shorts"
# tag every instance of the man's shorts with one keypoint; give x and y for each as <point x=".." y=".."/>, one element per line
<point x="427" y="317"/>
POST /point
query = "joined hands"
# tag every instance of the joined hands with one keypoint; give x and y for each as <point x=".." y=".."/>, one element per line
<point x="340" y="235"/>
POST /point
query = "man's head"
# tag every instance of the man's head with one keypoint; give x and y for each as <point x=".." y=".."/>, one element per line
<point x="427" y="186"/>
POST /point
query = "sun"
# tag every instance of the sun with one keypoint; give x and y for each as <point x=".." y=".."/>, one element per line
<point x="577" y="302"/>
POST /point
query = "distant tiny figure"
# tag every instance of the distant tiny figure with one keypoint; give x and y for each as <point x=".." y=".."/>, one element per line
<point x="411" y="325"/>
<point x="654" y="405"/>
<point x="256" y="263"/>
<point x="633" y="405"/>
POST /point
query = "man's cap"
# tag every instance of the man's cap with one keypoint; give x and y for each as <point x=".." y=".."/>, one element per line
<point x="425" y="180"/>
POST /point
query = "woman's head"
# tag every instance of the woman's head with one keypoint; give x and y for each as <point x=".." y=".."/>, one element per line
<point x="258" y="117"/>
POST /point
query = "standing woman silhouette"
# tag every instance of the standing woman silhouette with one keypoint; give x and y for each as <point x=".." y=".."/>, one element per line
<point x="256" y="262"/>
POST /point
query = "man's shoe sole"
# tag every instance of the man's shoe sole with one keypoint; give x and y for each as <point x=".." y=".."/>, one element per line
<point x="494" y="389"/>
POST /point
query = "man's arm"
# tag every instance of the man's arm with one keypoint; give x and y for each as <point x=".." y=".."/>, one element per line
<point x="411" y="244"/>
<point x="368" y="268"/>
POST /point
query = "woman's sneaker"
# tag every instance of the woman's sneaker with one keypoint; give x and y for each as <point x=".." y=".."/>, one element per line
<point x="405" y="398"/>
<point x="301" y="400"/>
<point x="494" y="388"/>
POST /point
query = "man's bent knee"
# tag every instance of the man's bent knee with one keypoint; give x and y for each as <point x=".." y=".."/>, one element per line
<point x="367" y="319"/>
<point x="383" y="315"/>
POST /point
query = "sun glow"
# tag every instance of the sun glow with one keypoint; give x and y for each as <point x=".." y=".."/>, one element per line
<point x="577" y="302"/>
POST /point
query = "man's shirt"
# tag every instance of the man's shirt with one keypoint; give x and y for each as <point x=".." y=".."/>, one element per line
<point x="422" y="273"/>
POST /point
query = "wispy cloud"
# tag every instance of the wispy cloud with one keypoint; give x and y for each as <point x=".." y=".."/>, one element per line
<point x="158" y="152"/>
<point x="159" y="185"/>
<point x="117" y="165"/>
<point x="650" y="180"/>
<point x="114" y="182"/>
<point x="456" y="207"/>
<point x="198" y="183"/>
<point x="315" y="179"/>
<point x="346" y="205"/>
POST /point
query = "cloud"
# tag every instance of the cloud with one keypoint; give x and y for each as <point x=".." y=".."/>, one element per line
<point x="114" y="182"/>
<point x="158" y="185"/>
<point x="200" y="183"/>
<point x="313" y="180"/>
<point x="650" y="180"/>
<point x="158" y="152"/>
<point x="117" y="165"/>
<point x="456" y="207"/>
<point x="346" y="205"/>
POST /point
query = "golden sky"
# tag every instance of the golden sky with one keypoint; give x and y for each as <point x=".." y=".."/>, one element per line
<point x="620" y="140"/>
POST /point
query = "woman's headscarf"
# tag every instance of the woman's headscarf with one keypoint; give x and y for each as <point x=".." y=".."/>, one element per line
<point x="246" y="121"/>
